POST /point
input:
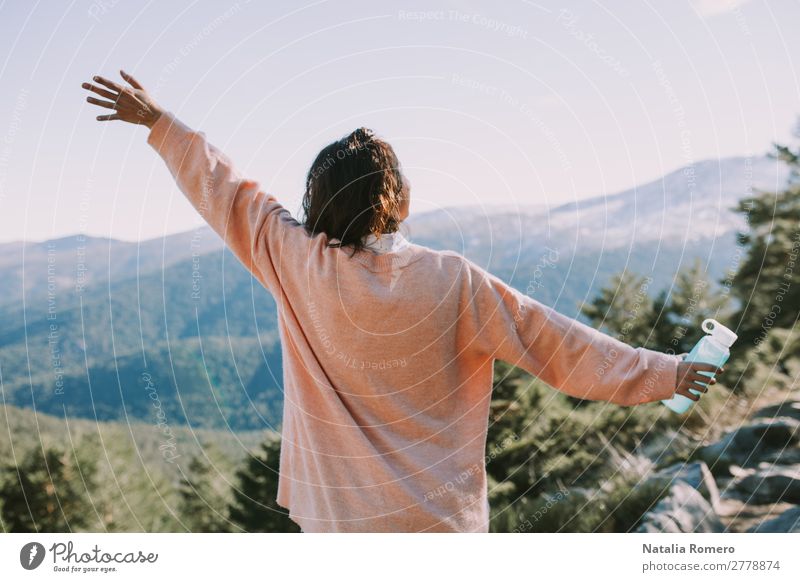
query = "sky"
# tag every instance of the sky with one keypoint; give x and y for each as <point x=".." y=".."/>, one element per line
<point x="486" y="103"/>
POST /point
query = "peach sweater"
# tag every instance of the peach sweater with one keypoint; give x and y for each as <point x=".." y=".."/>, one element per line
<point x="388" y="359"/>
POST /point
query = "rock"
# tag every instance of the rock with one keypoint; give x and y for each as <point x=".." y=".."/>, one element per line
<point x="771" y="485"/>
<point x="749" y="444"/>
<point x="788" y="456"/>
<point x="695" y="474"/>
<point x="683" y="510"/>
<point x="786" y="522"/>
<point x="788" y="409"/>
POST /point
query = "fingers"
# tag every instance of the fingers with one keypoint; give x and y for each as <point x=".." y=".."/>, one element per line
<point x="108" y="117"/>
<point x="692" y="396"/>
<point x="101" y="103"/>
<point x="99" y="91"/>
<point x="695" y="378"/>
<point x="683" y="391"/>
<point x="107" y="83"/>
<point x="701" y="367"/>
<point x="112" y="85"/>
<point x="133" y="82"/>
<point x="694" y="384"/>
<point x="702" y="378"/>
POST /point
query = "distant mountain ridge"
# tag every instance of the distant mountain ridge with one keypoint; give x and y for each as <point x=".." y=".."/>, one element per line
<point x="694" y="210"/>
<point x="652" y="229"/>
<point x="122" y="310"/>
<point x="81" y="260"/>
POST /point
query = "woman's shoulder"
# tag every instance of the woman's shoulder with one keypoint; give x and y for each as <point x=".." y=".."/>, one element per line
<point x="457" y="265"/>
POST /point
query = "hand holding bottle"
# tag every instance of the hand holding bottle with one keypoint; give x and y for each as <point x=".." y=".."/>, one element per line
<point x="695" y="375"/>
<point x="697" y="370"/>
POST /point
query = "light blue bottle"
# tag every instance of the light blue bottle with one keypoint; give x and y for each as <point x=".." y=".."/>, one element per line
<point x="711" y="349"/>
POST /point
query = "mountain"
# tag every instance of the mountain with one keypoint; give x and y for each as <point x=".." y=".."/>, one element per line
<point x="199" y="351"/>
<point x="175" y="330"/>
<point x="74" y="262"/>
<point x="564" y="255"/>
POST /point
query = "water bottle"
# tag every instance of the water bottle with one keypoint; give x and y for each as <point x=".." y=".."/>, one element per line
<point x="711" y="349"/>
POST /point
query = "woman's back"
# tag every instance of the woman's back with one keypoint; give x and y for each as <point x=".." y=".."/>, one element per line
<point x="386" y="401"/>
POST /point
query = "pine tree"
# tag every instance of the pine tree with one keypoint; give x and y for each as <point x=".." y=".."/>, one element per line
<point x="201" y="507"/>
<point x="623" y="309"/>
<point x="677" y="316"/>
<point x="48" y="492"/>
<point x="767" y="284"/>
<point x="670" y="322"/>
<point x="254" y="507"/>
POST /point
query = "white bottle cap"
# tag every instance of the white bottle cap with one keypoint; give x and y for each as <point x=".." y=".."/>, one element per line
<point x="719" y="332"/>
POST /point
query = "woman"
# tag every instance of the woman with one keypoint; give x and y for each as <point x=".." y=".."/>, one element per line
<point x="388" y="346"/>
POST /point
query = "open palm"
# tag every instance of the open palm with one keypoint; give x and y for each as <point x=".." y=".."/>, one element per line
<point x="130" y="103"/>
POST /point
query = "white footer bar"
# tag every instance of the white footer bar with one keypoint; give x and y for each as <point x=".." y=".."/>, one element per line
<point x="406" y="557"/>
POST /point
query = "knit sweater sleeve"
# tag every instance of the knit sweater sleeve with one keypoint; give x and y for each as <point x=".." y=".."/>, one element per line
<point x="565" y="353"/>
<point x="252" y="223"/>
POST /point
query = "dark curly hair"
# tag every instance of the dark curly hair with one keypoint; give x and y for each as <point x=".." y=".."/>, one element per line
<point x="354" y="188"/>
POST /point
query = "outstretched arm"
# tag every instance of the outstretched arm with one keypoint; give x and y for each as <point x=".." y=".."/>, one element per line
<point x="570" y="356"/>
<point x="252" y="223"/>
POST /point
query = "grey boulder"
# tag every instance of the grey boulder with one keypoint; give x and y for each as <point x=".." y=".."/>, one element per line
<point x="749" y="444"/>
<point x="683" y="510"/>
<point x="695" y="474"/>
<point x="786" y="522"/>
<point x="787" y="409"/>
<point x="771" y="485"/>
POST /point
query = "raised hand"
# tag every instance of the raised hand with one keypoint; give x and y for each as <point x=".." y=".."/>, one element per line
<point x="689" y="376"/>
<point x="131" y="104"/>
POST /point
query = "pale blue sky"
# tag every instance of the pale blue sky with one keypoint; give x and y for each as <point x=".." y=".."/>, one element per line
<point x="486" y="102"/>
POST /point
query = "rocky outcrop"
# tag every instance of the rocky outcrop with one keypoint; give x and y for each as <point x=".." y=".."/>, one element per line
<point x="758" y="468"/>
<point x="786" y="522"/>
<point x="770" y="484"/>
<point x="749" y="479"/>
<point x="787" y="409"/>
<point x="748" y="445"/>
<point x="696" y="474"/>
<point x="683" y="510"/>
